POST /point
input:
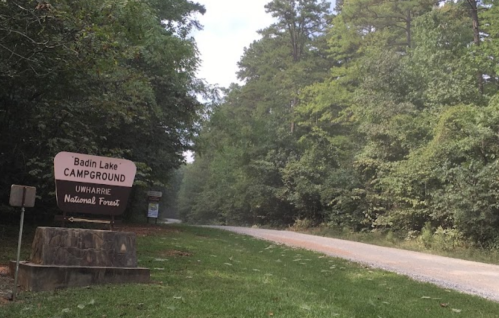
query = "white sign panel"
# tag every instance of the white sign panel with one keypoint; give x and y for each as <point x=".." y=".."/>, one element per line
<point x="153" y="210"/>
<point x="77" y="167"/>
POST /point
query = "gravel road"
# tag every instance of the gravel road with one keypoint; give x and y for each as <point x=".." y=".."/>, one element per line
<point x="465" y="276"/>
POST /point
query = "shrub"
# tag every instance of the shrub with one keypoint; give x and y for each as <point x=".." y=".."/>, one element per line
<point x="446" y="239"/>
<point x="426" y="237"/>
<point x="301" y="224"/>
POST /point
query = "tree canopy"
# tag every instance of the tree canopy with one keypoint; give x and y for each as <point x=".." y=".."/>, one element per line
<point x="114" y="78"/>
<point x="380" y="116"/>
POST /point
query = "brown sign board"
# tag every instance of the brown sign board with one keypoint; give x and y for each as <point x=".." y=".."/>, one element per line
<point x="92" y="184"/>
<point x="154" y="196"/>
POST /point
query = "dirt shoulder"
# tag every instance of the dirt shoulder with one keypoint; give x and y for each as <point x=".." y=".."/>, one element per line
<point x="6" y="284"/>
<point x="465" y="276"/>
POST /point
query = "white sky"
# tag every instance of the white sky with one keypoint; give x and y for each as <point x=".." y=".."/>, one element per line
<point x="229" y="26"/>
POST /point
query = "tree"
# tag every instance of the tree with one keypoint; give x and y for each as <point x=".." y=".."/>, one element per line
<point x="249" y="140"/>
<point x="392" y="19"/>
<point x="300" y="20"/>
<point x="104" y="78"/>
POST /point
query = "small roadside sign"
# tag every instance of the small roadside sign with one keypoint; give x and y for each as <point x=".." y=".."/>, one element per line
<point x="153" y="210"/>
<point x="22" y="196"/>
<point x="154" y="196"/>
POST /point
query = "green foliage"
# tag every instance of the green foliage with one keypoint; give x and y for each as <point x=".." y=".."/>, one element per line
<point x="389" y="22"/>
<point x="426" y="235"/>
<point x="441" y="65"/>
<point x="110" y="78"/>
<point x="446" y="239"/>
<point x="374" y="121"/>
<point x="250" y="145"/>
<point x="302" y="225"/>
<point x="440" y="239"/>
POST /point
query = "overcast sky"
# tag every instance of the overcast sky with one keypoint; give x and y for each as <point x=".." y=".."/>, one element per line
<point x="229" y="26"/>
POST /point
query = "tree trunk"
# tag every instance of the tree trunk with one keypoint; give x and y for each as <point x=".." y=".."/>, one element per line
<point x="408" y="30"/>
<point x="476" y="36"/>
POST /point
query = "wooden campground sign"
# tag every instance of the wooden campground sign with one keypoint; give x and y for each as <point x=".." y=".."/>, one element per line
<point x="92" y="184"/>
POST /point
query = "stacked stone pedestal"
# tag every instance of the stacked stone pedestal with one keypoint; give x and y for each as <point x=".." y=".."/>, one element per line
<point x="63" y="258"/>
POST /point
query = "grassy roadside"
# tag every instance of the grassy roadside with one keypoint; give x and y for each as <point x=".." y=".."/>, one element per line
<point x="9" y="236"/>
<point x="436" y="245"/>
<point x="203" y="273"/>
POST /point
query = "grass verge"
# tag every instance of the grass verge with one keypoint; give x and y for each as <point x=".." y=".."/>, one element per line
<point x="390" y="239"/>
<point x="199" y="272"/>
<point x="9" y="236"/>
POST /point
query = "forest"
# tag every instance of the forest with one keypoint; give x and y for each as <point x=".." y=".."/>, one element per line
<point x="374" y="115"/>
<point x="109" y="77"/>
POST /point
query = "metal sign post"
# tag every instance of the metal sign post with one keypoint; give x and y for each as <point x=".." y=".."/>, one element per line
<point x="21" y="196"/>
<point x="14" y="292"/>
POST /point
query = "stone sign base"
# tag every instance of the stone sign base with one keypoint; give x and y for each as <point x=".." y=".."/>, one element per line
<point x="63" y="258"/>
<point x="35" y="278"/>
<point x="83" y="247"/>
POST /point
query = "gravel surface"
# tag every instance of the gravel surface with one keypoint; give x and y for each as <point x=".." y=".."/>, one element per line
<point x="465" y="276"/>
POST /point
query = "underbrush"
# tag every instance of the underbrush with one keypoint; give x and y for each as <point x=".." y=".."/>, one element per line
<point x="439" y="241"/>
<point x="9" y="236"/>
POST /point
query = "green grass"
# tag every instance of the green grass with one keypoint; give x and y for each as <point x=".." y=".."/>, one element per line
<point x="201" y="273"/>
<point x="9" y="236"/>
